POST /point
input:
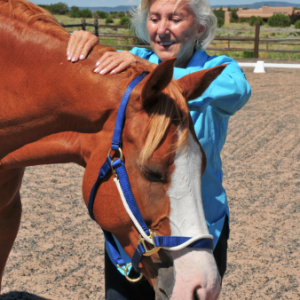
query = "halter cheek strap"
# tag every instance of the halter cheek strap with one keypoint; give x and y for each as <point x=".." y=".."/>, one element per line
<point x="121" y="180"/>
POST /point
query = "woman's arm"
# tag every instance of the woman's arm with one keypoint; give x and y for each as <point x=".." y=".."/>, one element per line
<point x="228" y="93"/>
<point x="82" y="42"/>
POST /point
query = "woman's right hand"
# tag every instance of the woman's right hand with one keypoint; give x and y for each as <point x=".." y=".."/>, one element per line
<point x="80" y="44"/>
<point x="116" y="62"/>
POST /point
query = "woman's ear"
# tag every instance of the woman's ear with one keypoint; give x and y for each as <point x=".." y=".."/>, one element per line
<point x="201" y="31"/>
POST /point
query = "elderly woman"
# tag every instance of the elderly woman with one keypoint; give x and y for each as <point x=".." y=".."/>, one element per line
<point x="181" y="29"/>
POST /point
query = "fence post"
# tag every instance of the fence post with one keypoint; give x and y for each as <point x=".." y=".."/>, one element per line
<point x="96" y="27"/>
<point x="228" y="41"/>
<point x="256" y="42"/>
<point x="83" y="24"/>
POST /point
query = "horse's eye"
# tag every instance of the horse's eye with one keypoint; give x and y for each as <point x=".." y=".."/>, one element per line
<point x="151" y="175"/>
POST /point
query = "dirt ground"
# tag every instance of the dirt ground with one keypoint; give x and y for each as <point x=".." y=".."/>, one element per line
<point x="58" y="253"/>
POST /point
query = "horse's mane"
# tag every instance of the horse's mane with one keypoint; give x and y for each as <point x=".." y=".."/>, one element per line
<point x="34" y="16"/>
<point x="170" y="108"/>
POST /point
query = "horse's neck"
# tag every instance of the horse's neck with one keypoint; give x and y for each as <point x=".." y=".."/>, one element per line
<point x="41" y="93"/>
<point x="64" y="147"/>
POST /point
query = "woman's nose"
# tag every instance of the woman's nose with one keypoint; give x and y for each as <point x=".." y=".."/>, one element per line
<point x="163" y="29"/>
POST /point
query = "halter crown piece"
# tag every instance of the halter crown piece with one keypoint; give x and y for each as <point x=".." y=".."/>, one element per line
<point x="171" y="243"/>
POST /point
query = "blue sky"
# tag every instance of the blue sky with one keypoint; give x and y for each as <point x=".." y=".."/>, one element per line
<point x="112" y="3"/>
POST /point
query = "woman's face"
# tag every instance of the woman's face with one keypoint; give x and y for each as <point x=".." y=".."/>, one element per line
<point x="173" y="30"/>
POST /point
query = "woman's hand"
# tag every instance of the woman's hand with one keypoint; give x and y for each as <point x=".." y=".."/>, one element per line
<point x="116" y="62"/>
<point x="80" y="44"/>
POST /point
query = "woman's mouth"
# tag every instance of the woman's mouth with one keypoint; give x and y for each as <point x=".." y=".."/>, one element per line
<point x="165" y="44"/>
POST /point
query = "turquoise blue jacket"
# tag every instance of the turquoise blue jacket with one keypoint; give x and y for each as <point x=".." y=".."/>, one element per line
<point x="210" y="114"/>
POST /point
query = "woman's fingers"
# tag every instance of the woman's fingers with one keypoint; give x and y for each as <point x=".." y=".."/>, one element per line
<point x="80" y="44"/>
<point x="73" y="41"/>
<point x="107" y="63"/>
<point x="114" y="62"/>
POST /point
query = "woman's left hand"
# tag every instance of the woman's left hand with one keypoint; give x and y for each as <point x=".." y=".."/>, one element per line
<point x="80" y="44"/>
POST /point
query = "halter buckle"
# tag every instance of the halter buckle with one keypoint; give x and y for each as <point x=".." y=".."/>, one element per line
<point x="154" y="250"/>
<point x="125" y="270"/>
<point x="121" y="157"/>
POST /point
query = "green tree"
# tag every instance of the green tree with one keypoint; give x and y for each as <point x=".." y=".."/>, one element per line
<point x="109" y="20"/>
<point x="59" y="8"/>
<point x="75" y="12"/>
<point x="243" y="20"/>
<point x="279" y="20"/>
<point x="102" y="14"/>
<point x="121" y="14"/>
<point x="125" y="21"/>
<point x="297" y="24"/>
<point x="220" y="14"/>
<point x="254" y="19"/>
<point x="234" y="17"/>
<point x="86" y="13"/>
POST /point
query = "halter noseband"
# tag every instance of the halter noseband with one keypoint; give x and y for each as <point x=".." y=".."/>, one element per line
<point x="117" y="166"/>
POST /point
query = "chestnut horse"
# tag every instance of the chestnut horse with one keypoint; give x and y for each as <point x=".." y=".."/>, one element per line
<point x="163" y="157"/>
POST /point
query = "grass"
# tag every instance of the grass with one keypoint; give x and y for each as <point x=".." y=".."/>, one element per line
<point x="248" y="46"/>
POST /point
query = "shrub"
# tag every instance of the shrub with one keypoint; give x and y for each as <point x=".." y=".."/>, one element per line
<point x="279" y="20"/>
<point x="125" y="21"/>
<point x="294" y="17"/>
<point x="102" y="14"/>
<point x="59" y="8"/>
<point x="254" y="19"/>
<point x="75" y="12"/>
<point x="220" y="14"/>
<point x="109" y="20"/>
<point x="86" y="13"/>
<point x="234" y="17"/>
<point x="247" y="54"/>
<point x="243" y="20"/>
<point x="297" y="24"/>
<point x="221" y="22"/>
<point x="121" y="14"/>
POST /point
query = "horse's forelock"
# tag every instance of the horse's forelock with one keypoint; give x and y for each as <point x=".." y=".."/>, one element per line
<point x="32" y="15"/>
<point x="170" y="107"/>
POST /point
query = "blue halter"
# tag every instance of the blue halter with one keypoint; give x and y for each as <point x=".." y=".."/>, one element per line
<point x="118" y="168"/>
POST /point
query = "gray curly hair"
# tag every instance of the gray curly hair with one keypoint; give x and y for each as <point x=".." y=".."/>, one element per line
<point x="203" y="13"/>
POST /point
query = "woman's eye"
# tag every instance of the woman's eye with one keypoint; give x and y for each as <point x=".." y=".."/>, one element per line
<point x="153" y="20"/>
<point x="176" y="20"/>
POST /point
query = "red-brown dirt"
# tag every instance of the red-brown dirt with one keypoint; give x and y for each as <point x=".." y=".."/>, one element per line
<point x="58" y="253"/>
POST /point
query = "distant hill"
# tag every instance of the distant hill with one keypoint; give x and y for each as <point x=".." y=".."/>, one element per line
<point x="109" y="9"/>
<point x="257" y="5"/>
<point x="253" y="6"/>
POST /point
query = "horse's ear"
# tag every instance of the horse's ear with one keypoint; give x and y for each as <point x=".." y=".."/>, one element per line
<point x="156" y="81"/>
<point x="193" y="85"/>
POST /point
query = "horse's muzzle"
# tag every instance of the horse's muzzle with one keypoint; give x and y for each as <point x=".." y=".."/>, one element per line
<point x="165" y="283"/>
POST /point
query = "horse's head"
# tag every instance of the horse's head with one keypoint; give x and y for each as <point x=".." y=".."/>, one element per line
<point x="164" y="163"/>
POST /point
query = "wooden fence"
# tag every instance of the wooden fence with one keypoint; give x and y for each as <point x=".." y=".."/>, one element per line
<point x="229" y="39"/>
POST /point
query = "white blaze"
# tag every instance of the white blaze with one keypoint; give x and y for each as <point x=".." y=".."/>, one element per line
<point x="187" y="216"/>
<point x="195" y="270"/>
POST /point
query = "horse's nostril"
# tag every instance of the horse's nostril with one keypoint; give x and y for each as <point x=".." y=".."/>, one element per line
<point x="196" y="297"/>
